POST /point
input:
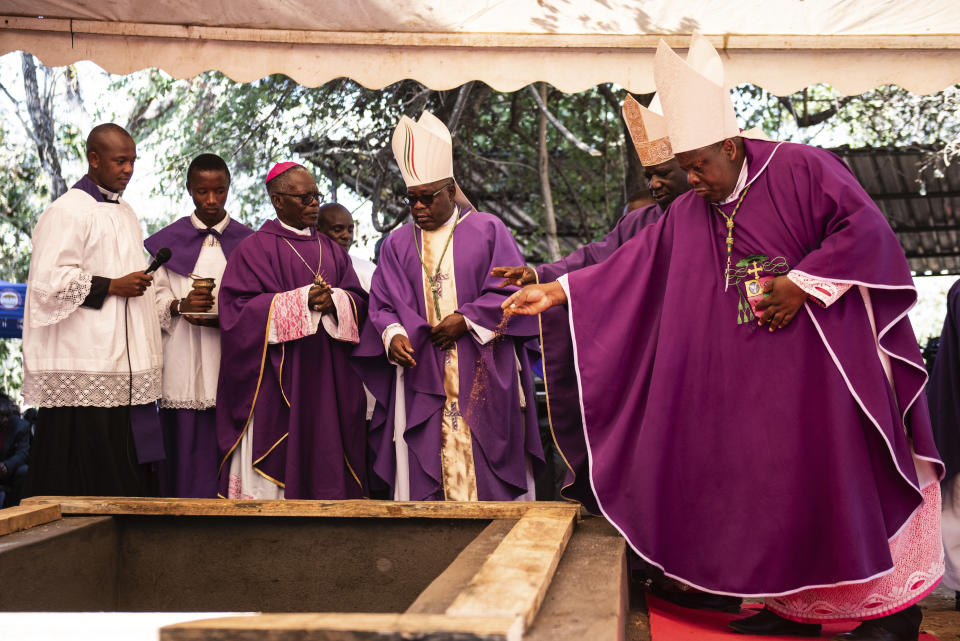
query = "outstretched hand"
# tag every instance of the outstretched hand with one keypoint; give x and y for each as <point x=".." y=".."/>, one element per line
<point x="534" y="299"/>
<point x="519" y="276"/>
<point x="782" y="300"/>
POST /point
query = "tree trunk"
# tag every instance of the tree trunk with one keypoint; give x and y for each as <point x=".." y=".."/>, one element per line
<point x="43" y="133"/>
<point x="549" y="218"/>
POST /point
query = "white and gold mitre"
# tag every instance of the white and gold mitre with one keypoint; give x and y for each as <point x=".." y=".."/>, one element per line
<point x="696" y="102"/>
<point x="423" y="149"/>
<point x="648" y="130"/>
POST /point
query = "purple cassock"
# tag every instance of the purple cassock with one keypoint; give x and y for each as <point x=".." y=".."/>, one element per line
<point x="504" y="434"/>
<point x="943" y="393"/>
<point x="739" y="460"/>
<point x="190" y="435"/>
<point x="560" y="378"/>
<point x="307" y="403"/>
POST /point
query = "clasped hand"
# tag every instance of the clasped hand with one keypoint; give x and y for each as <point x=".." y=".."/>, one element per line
<point x="782" y="299"/>
<point x="445" y="333"/>
<point x="320" y="299"/>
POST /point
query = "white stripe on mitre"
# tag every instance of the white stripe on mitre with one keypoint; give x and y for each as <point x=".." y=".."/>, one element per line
<point x="423" y="149"/>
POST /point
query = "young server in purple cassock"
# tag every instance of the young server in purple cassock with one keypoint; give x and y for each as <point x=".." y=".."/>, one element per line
<point x="290" y="419"/>
<point x="200" y="244"/>
<point x="455" y="419"/>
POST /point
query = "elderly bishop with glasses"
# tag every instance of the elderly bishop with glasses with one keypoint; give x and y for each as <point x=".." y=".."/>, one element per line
<point x="290" y="409"/>
<point x="455" y="417"/>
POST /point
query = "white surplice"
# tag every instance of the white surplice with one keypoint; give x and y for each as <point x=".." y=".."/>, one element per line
<point x="77" y="356"/>
<point x="191" y="353"/>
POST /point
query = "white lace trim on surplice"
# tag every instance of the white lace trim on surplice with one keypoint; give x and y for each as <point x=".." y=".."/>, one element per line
<point x="188" y="404"/>
<point x="60" y="303"/>
<point x="163" y="312"/>
<point x="91" y="389"/>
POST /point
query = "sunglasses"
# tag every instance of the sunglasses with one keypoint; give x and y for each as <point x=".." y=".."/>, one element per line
<point x="426" y="199"/>
<point x="305" y="199"/>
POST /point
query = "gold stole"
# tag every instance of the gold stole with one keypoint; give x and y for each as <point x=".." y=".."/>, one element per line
<point x="456" y="453"/>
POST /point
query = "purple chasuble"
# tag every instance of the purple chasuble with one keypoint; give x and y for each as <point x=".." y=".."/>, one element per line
<point x="943" y="392"/>
<point x="185" y="242"/>
<point x="503" y="433"/>
<point x="307" y="403"/>
<point x="560" y="379"/>
<point x="743" y="461"/>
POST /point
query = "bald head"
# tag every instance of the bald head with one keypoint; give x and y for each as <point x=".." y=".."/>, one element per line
<point x="103" y="135"/>
<point x="336" y="222"/>
<point x="111" y="154"/>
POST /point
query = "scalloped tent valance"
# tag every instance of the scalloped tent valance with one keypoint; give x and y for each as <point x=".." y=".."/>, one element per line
<point x="782" y="46"/>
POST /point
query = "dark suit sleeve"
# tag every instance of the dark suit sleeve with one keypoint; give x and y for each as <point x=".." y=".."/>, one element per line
<point x="99" y="287"/>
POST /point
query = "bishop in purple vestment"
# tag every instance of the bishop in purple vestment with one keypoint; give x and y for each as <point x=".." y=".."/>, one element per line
<point x="290" y="418"/>
<point x="769" y="436"/>
<point x="455" y="419"/>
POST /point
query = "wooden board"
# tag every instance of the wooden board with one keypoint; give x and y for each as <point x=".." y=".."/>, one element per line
<point x="344" y="627"/>
<point x="498" y="603"/>
<point x="22" y="517"/>
<point x="440" y="594"/>
<point x="360" y="508"/>
<point x="514" y="579"/>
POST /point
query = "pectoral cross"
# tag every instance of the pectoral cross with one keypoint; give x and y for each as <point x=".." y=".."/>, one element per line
<point x="452" y="412"/>
<point x="755" y="270"/>
<point x="436" y="291"/>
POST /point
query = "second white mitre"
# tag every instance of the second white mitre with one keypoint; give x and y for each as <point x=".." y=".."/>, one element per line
<point x="423" y="149"/>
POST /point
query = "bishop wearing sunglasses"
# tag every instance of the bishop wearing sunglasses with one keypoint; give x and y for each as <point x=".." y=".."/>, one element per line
<point x="455" y="417"/>
<point x="291" y="411"/>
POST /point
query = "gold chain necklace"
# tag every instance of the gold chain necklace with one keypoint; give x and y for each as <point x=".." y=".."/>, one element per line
<point x="317" y="278"/>
<point x="729" y="219"/>
<point x="434" y="281"/>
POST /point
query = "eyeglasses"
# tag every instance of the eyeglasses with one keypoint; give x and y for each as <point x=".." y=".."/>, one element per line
<point x="426" y="199"/>
<point x="305" y="199"/>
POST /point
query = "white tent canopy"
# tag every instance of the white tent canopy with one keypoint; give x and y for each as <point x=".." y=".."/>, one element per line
<point x="781" y="45"/>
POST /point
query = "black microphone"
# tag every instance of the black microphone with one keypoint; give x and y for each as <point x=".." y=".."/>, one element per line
<point x="163" y="255"/>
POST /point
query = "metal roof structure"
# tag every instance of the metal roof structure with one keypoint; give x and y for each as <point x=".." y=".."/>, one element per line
<point x="919" y="193"/>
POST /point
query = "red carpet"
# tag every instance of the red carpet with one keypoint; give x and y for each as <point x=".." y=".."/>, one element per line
<point x="670" y="622"/>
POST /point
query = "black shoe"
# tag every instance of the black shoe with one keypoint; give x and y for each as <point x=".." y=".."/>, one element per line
<point x="874" y="631"/>
<point x="899" y="626"/>
<point x="957" y="603"/>
<point x="767" y="623"/>
<point x="696" y="600"/>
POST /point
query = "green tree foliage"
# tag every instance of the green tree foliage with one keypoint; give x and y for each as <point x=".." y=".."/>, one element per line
<point x="343" y="130"/>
